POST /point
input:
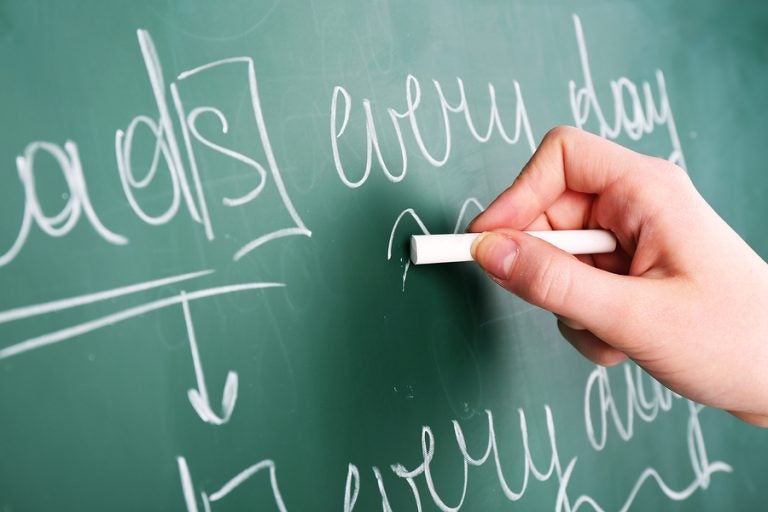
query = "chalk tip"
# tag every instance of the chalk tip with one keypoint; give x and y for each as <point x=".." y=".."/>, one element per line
<point x="414" y="249"/>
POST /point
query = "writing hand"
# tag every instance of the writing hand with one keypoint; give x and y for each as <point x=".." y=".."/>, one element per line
<point x="683" y="296"/>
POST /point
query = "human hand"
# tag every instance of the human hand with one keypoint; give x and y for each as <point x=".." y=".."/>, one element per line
<point x="683" y="296"/>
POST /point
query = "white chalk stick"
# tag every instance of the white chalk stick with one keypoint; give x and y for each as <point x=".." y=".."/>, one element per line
<point x="427" y="249"/>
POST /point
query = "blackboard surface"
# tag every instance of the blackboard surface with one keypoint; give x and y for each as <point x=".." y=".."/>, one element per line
<point x="205" y="296"/>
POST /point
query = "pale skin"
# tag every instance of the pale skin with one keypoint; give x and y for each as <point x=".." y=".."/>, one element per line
<point x="683" y="296"/>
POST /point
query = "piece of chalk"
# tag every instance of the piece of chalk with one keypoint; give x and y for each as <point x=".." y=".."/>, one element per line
<point x="427" y="249"/>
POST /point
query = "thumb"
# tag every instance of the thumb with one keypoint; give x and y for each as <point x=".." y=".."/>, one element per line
<point x="550" y="278"/>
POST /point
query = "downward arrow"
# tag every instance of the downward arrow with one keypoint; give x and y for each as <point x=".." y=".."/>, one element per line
<point x="199" y="397"/>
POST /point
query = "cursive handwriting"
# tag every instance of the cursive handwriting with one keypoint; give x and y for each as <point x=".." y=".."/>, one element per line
<point x="184" y="186"/>
<point x="423" y="487"/>
<point x="629" y="117"/>
<point x="342" y="99"/>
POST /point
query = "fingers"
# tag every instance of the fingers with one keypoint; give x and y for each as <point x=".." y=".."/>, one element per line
<point x="590" y="346"/>
<point x="617" y="262"/>
<point x="572" y="210"/>
<point x="757" y="420"/>
<point x="554" y="280"/>
<point x="567" y="159"/>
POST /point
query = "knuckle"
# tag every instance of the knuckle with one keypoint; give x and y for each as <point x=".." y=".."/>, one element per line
<point x="666" y="171"/>
<point x="647" y="188"/>
<point x="676" y="170"/>
<point x="560" y="132"/>
<point x="549" y="284"/>
<point x="608" y="357"/>
<point x="679" y="179"/>
<point x="593" y="348"/>
<point x="660" y="182"/>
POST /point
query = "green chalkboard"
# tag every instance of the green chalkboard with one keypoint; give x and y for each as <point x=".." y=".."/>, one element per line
<point x="205" y="297"/>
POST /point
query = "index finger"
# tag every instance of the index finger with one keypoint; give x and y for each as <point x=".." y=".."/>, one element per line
<point x="567" y="159"/>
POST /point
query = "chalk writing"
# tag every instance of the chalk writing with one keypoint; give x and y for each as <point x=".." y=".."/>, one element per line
<point x="188" y="489"/>
<point x="460" y="220"/>
<point x="166" y="151"/>
<point x="553" y="467"/>
<point x="599" y="388"/>
<point x="199" y="397"/>
<point x="631" y="120"/>
<point x="341" y="98"/>
<point x="59" y="225"/>
<point x="299" y="228"/>
<point x="165" y="144"/>
<point x="68" y="333"/>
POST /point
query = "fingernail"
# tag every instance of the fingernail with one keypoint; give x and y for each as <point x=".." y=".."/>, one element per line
<point x="495" y="253"/>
